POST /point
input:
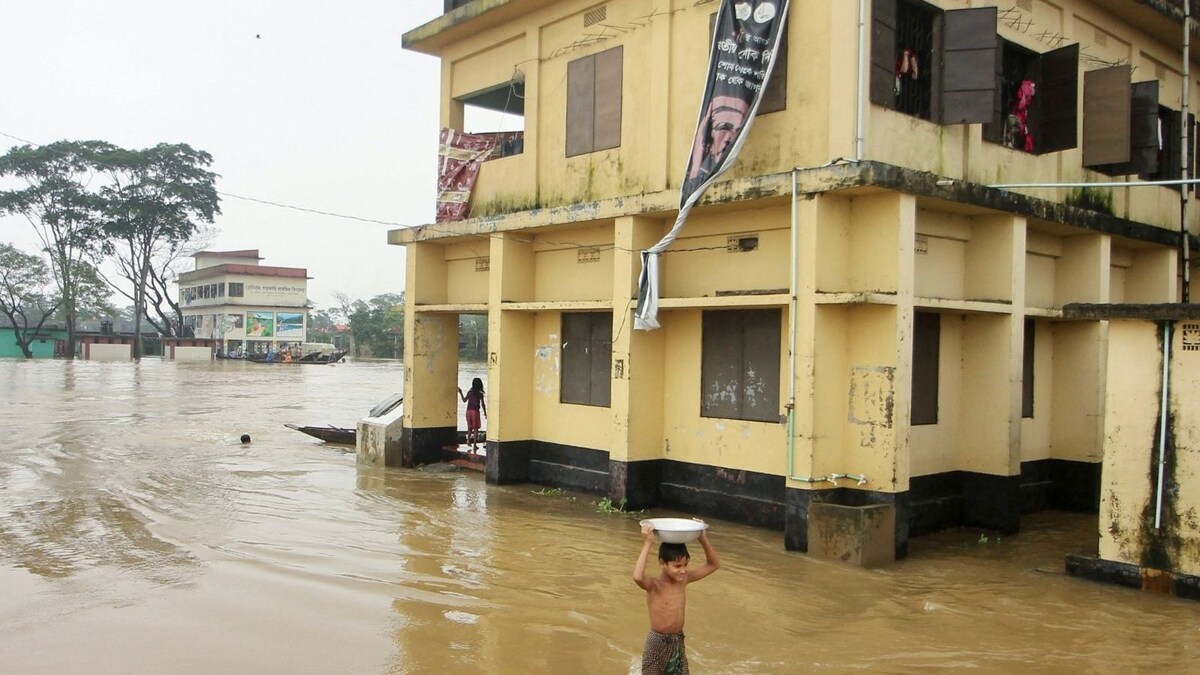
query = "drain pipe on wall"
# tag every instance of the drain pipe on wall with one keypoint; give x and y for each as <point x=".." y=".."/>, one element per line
<point x="860" y="100"/>
<point x="793" y="305"/>
<point x="1183" y="116"/>
<point x="1162" y="424"/>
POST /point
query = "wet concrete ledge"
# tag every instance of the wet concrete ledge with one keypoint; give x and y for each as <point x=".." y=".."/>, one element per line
<point x="1093" y="568"/>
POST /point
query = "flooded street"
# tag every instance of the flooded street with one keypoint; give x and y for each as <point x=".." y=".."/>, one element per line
<point x="138" y="535"/>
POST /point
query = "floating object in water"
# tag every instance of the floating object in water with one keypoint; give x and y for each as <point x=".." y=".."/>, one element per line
<point x="245" y="438"/>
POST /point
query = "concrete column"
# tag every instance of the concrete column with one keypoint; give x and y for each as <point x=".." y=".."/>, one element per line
<point x="636" y="455"/>
<point x="430" y="361"/>
<point x="510" y="379"/>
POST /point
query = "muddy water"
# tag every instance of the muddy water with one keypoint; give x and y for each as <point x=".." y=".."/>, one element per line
<point x="138" y="535"/>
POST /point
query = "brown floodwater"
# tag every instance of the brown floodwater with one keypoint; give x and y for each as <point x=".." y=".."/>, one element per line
<point x="137" y="535"/>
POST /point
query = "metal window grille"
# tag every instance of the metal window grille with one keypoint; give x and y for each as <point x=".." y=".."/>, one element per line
<point x="914" y="31"/>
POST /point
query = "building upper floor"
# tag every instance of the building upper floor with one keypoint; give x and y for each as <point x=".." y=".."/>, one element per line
<point x="236" y="278"/>
<point x="606" y="95"/>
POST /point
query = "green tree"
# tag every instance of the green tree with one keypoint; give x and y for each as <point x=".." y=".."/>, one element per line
<point x="60" y="203"/>
<point x="473" y="332"/>
<point x="378" y="325"/>
<point x="156" y="203"/>
<point x="25" y="295"/>
<point x="319" y="323"/>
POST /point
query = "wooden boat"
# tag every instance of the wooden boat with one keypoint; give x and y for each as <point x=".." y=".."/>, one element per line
<point x="311" y="353"/>
<point x="329" y="434"/>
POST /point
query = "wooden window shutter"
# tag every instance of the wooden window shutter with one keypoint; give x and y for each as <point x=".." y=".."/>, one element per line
<point x="883" y="52"/>
<point x="581" y="104"/>
<point x="1106" y="118"/>
<point x="607" y="111"/>
<point x="1172" y="154"/>
<point x="969" y="54"/>
<point x="993" y="131"/>
<point x="774" y="97"/>
<point x="600" y="344"/>
<point x="1059" y="90"/>
<point x="1143" y="128"/>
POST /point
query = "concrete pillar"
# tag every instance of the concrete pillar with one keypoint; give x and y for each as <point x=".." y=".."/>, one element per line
<point x="510" y="378"/>
<point x="635" y="457"/>
<point x="430" y="361"/>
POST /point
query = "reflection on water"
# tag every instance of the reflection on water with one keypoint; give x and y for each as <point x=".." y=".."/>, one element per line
<point x="138" y="535"/>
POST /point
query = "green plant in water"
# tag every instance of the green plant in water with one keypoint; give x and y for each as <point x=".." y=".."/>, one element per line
<point x="1093" y="199"/>
<point x="607" y="505"/>
<point x="983" y="539"/>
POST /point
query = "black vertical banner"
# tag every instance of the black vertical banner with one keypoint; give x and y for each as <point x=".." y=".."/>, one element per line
<point x="741" y="59"/>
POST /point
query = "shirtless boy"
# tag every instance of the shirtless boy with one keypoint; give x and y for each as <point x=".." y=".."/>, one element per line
<point x="665" y="598"/>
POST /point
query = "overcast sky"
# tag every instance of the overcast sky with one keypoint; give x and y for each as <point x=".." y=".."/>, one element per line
<point x="324" y="111"/>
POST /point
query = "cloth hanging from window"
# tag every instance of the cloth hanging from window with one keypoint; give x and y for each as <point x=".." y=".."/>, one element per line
<point x="1020" y="111"/>
<point x="906" y="64"/>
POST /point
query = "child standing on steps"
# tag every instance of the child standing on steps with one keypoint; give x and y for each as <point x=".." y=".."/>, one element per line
<point x="476" y="402"/>
<point x="665" y="599"/>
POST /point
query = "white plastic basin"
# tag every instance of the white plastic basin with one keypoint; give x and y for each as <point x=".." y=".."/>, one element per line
<point x="676" y="530"/>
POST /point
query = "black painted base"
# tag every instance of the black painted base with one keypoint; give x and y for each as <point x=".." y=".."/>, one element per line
<point x="635" y="482"/>
<point x="507" y="462"/>
<point x="422" y="446"/>
<point x="1185" y="586"/>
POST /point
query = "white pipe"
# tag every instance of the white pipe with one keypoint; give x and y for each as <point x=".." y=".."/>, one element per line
<point x="1184" y="247"/>
<point x="1111" y="184"/>
<point x="1162" y="423"/>
<point x="860" y="100"/>
<point x="792" y="309"/>
<point x="861" y="478"/>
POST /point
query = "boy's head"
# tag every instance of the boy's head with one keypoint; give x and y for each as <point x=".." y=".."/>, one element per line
<point x="674" y="559"/>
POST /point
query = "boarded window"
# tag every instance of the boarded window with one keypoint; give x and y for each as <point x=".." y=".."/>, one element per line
<point x="1027" y="370"/>
<point x="586" y="358"/>
<point x="927" y="336"/>
<point x="739" y="371"/>
<point x="594" y="102"/>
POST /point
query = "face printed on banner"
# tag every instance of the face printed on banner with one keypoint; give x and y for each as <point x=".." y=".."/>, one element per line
<point x="763" y="13"/>
<point x="715" y="136"/>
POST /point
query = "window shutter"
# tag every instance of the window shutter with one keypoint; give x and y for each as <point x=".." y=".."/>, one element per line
<point x="601" y="359"/>
<point x="969" y="54"/>
<point x="607" y="99"/>
<point x="1172" y="157"/>
<point x="720" y="364"/>
<point x="994" y="131"/>
<point x="760" y="365"/>
<point x="581" y="100"/>
<point x="1106" y="116"/>
<point x="1143" y="128"/>
<point x="774" y="97"/>
<point x="883" y="52"/>
<point x="1059" y="100"/>
<point x="575" y="383"/>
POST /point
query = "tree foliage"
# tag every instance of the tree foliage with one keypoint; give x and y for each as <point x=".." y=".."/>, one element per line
<point x="157" y="200"/>
<point x="377" y="325"/>
<point x="26" y="298"/>
<point x="58" y="199"/>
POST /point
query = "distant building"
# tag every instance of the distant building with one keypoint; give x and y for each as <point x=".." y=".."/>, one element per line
<point x="245" y="306"/>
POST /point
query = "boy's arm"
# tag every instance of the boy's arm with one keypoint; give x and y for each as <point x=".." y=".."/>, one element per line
<point x="639" y="568"/>
<point x="712" y="562"/>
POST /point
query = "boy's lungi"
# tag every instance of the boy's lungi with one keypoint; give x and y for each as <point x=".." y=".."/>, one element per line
<point x="664" y="654"/>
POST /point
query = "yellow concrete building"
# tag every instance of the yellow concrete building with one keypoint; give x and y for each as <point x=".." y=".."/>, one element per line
<point x="854" y="314"/>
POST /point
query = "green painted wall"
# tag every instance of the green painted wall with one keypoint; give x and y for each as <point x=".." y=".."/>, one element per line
<point x="42" y="348"/>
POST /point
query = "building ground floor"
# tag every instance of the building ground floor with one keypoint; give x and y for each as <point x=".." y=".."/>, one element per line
<point x="854" y="336"/>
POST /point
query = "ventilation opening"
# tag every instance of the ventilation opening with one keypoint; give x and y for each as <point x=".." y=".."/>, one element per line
<point x="742" y="243"/>
<point x="595" y="16"/>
